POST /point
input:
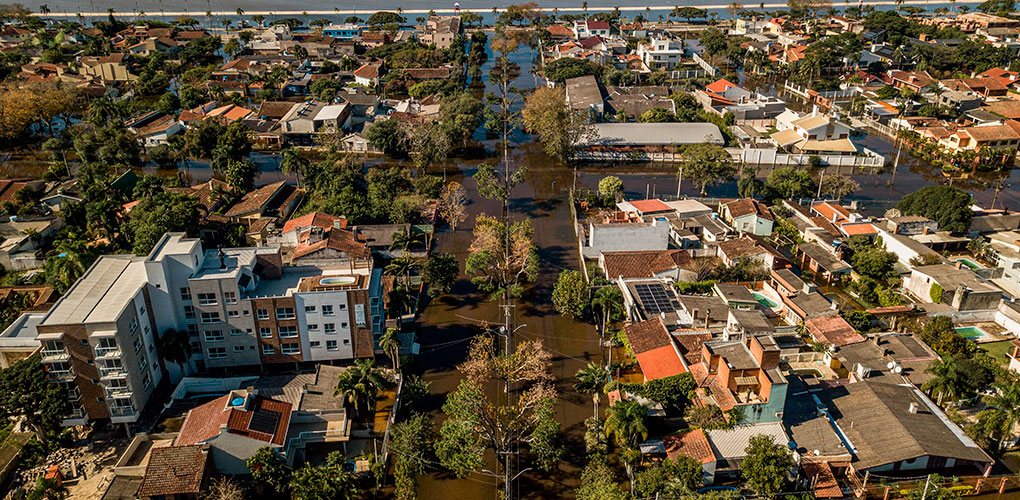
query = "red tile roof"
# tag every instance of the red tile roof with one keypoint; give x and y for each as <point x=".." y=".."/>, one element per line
<point x="646" y="263"/>
<point x="660" y="362"/>
<point x="207" y="421"/>
<point x="826" y="485"/>
<point x="367" y="70"/>
<point x="559" y="30"/>
<point x="255" y="200"/>
<point x="597" y="25"/>
<point x="721" y="85"/>
<point x="647" y="335"/>
<point x="854" y="229"/>
<point x="748" y="206"/>
<point x="650" y="206"/>
<point x="693" y="444"/>
<point x="833" y="330"/>
<point x="175" y="470"/>
<point x="341" y="240"/>
<point x="827" y="210"/>
<point x="317" y="219"/>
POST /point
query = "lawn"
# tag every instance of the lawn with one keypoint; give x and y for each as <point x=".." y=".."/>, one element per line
<point x="997" y="350"/>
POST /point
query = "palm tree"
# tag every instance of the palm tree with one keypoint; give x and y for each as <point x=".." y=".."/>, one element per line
<point x="947" y="382"/>
<point x="607" y="302"/>
<point x="291" y="162"/>
<point x="258" y="18"/>
<point x="404" y="240"/>
<point x="625" y="422"/>
<point x="402" y="266"/>
<point x="389" y="342"/>
<point x="360" y="384"/>
<point x="592" y="379"/>
<point x="1006" y="406"/>
<point x="175" y="347"/>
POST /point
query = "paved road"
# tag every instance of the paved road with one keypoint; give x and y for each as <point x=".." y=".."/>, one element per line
<point x="451" y="320"/>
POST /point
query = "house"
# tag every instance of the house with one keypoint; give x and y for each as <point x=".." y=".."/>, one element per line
<point x="740" y="324"/>
<point x="653" y="346"/>
<point x="273" y="200"/>
<point x="589" y="28"/>
<point x="913" y="80"/>
<point x="306" y="120"/>
<point x="440" y="31"/>
<point x="993" y="135"/>
<point x="635" y="101"/>
<point x="372" y="39"/>
<point x="155" y="128"/>
<point x="891" y="356"/>
<point x="622" y="233"/>
<point x="583" y="94"/>
<point x="910" y="225"/>
<point x="806" y="305"/>
<point x="891" y="427"/>
<point x="22" y="237"/>
<point x="955" y="286"/>
<point x="111" y="68"/>
<point x="649" y="135"/>
<point x="721" y="97"/>
<point x="235" y="426"/>
<point x="735" y="296"/>
<point x="742" y="373"/>
<point x="368" y="74"/>
<point x="661" y="53"/>
<point x="748" y="216"/>
<point x="746" y="247"/>
<point x="812" y="134"/>
<point x="787" y="284"/>
<point x="177" y="472"/>
<point x="342" y="31"/>
<point x="18" y="340"/>
<point x="832" y="331"/>
<point x="321" y="238"/>
<point x="826" y="266"/>
<point x="694" y="444"/>
<point x="673" y="264"/>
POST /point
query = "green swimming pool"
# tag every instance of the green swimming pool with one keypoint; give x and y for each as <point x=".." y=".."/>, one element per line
<point x="969" y="263"/>
<point x="764" y="301"/>
<point x="970" y="332"/>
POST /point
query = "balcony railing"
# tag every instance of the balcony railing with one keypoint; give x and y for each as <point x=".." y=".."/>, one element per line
<point x="76" y="412"/>
<point x="108" y="352"/>
<point x="122" y="411"/>
<point x="61" y="375"/>
<point x="74" y="394"/>
<point x="118" y="392"/>
<point x="112" y="372"/>
<point x="54" y="355"/>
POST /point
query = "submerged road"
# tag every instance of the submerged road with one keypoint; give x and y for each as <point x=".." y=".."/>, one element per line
<point x="451" y="320"/>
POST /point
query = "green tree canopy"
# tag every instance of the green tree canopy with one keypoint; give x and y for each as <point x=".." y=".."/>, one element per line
<point x="570" y="294"/>
<point x="947" y="205"/>
<point x="766" y="465"/>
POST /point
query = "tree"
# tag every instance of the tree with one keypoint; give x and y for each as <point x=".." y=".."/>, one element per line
<point x="175" y="347"/>
<point x="389" y="342"/>
<point x="430" y="144"/>
<point x="453" y="204"/>
<point x="766" y="465"/>
<point x="558" y="128"/>
<point x="565" y="68"/>
<point x="608" y="301"/>
<point x="610" y="186"/>
<point x="291" y="162"/>
<point x="749" y="186"/>
<point x="26" y="392"/>
<point x="673" y="478"/>
<point x="387" y="136"/>
<point x="706" y="165"/>
<point x="441" y="271"/>
<point x="789" y="183"/>
<point x="476" y="423"/>
<point x="327" y="482"/>
<point x="411" y="446"/>
<point x="1006" y="407"/>
<point x="266" y="466"/>
<point x="947" y="382"/>
<point x="598" y="482"/>
<point x="625" y="422"/>
<point x="461" y="115"/>
<point x="657" y="115"/>
<point x="166" y="212"/>
<point x="947" y="205"/>
<point x="360" y="384"/>
<point x="839" y="186"/>
<point x="502" y="256"/>
<point x="592" y="379"/>
<point x="223" y="489"/>
<point x="570" y="294"/>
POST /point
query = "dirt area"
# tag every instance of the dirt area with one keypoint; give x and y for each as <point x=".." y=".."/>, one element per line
<point x="87" y="467"/>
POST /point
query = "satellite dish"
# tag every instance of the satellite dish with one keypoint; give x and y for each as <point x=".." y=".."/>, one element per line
<point x="892" y="212"/>
<point x="817" y="453"/>
<point x="898" y="369"/>
<point x="891" y="365"/>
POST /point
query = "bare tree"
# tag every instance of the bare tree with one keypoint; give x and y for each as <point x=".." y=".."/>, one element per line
<point x="452" y="203"/>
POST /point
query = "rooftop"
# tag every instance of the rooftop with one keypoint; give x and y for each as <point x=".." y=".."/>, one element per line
<point x="101" y="293"/>
<point x="659" y="134"/>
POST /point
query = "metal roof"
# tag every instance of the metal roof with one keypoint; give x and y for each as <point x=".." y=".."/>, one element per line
<point x="632" y="134"/>
<point x="730" y="444"/>
<point x="100" y="295"/>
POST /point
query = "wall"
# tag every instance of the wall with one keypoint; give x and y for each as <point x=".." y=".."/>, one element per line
<point x="270" y="304"/>
<point x="767" y="156"/>
<point x="626" y="237"/>
<point x="340" y="319"/>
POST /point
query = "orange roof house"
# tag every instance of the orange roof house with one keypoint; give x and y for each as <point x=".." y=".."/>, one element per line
<point x="654" y="349"/>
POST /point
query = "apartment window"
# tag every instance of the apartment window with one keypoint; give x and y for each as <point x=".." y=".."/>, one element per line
<point x="343" y="307"/>
<point x="146" y="382"/>
<point x="290" y="348"/>
<point x="133" y="326"/>
<point x="347" y="341"/>
<point x="327" y="310"/>
<point x="192" y="329"/>
<point x="238" y="348"/>
<point x="287" y="332"/>
<point x="343" y="324"/>
<point x="233" y="314"/>
<point x="315" y="344"/>
<point x="142" y="363"/>
<point x="210" y="317"/>
<point x="185" y="293"/>
<point x="152" y="347"/>
<point x="138" y="345"/>
<point x="313" y="327"/>
<point x="236" y="331"/>
<point x="331" y="345"/>
<point x="309" y="309"/>
<point x="214" y="336"/>
<point x="330" y="327"/>
<point x="207" y="299"/>
<point x="247" y="313"/>
<point x="84" y="342"/>
<point x="229" y="298"/>
<point x="266" y="333"/>
<point x="268" y="350"/>
<point x="285" y="313"/>
<point x="262" y="313"/>
<point x="196" y="346"/>
<point x="141" y="312"/>
<point x="217" y="353"/>
<point x="146" y="329"/>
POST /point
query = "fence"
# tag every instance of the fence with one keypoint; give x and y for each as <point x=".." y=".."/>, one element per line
<point x="705" y="65"/>
<point x="767" y="156"/>
<point x="879" y="487"/>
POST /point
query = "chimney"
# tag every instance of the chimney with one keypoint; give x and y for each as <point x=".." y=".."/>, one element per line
<point x="925" y="229"/>
<point x="913" y="408"/>
<point x="959" y="264"/>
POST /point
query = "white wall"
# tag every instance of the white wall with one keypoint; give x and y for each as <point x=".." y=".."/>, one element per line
<point x="341" y="317"/>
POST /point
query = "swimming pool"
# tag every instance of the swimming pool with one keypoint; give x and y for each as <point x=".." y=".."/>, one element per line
<point x="971" y="332"/>
<point x="338" y="280"/>
<point x="764" y="301"/>
<point x="969" y="263"/>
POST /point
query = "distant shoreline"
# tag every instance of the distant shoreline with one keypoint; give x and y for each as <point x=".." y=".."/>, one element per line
<point x="750" y="6"/>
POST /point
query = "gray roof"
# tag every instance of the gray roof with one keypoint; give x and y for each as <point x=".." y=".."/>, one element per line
<point x="730" y="444"/>
<point x="22" y="332"/>
<point x="654" y="134"/>
<point x="875" y="418"/>
<point x="101" y="293"/>
<point x="734" y="293"/>
<point x="583" y="92"/>
<point x="828" y="261"/>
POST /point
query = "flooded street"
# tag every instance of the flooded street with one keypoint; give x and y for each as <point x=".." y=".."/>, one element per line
<point x="451" y="320"/>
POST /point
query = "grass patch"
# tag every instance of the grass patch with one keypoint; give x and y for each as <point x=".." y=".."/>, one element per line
<point x="997" y="350"/>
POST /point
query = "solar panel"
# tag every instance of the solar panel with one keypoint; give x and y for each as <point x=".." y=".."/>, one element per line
<point x="264" y="421"/>
<point x="655" y="299"/>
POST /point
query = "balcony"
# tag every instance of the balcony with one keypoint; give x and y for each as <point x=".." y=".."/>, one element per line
<point x="76" y="417"/>
<point x="107" y="373"/>
<point x="108" y="352"/>
<point x="118" y="392"/>
<point x="73" y="394"/>
<point x="54" y="355"/>
<point x="61" y="375"/>
<point x="123" y="411"/>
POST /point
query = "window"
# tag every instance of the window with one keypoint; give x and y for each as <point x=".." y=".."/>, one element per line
<point x="343" y="324"/>
<point x="142" y="363"/>
<point x="330" y="327"/>
<point x="133" y="326"/>
<point x="84" y="341"/>
<point x="236" y="331"/>
<point x="285" y="313"/>
<point x="233" y="314"/>
<point x="266" y="333"/>
<point x="238" y="348"/>
<point x="207" y="299"/>
<point x="343" y="307"/>
<point x="141" y="312"/>
<point x="268" y="350"/>
<point x="210" y="317"/>
<point x="217" y="353"/>
<point x="146" y="382"/>
<point x="185" y="293"/>
<point x="196" y="346"/>
<point x="327" y="310"/>
<point x="262" y="313"/>
<point x="290" y="348"/>
<point x="229" y="298"/>
<point x="138" y="345"/>
<point x="287" y="332"/>
<point x="347" y="341"/>
<point x="214" y="336"/>
<point x="331" y="345"/>
<point x="192" y="329"/>
<point x="152" y="347"/>
<point x="315" y="344"/>
<point x="309" y="309"/>
<point x="247" y="313"/>
<point x="313" y="327"/>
